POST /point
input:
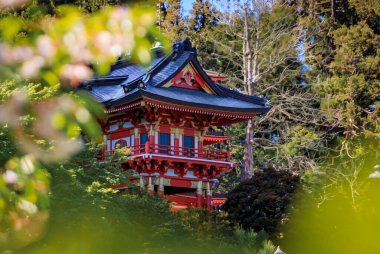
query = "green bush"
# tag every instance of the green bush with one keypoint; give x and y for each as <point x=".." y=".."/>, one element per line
<point x="261" y="202"/>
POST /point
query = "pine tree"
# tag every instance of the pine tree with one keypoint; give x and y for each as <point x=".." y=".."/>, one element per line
<point x="203" y="16"/>
<point x="170" y="19"/>
<point x="342" y="38"/>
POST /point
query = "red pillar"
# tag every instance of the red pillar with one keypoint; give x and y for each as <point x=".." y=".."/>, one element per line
<point x="137" y="148"/>
<point x="151" y="137"/>
<point x="147" y="147"/>
<point x="200" y="148"/>
<point x="176" y="144"/>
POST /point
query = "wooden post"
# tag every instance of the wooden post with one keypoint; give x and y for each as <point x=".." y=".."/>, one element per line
<point x="208" y="196"/>
<point x="136" y="149"/>
<point x="151" y="137"/>
<point x="176" y="141"/>
<point x="150" y="186"/>
<point x="161" y="186"/>
<point x="199" y="194"/>
<point x="147" y="147"/>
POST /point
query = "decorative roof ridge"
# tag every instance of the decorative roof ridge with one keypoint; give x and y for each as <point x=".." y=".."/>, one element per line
<point x="177" y="49"/>
<point x="182" y="46"/>
<point x="159" y="65"/>
<point x="145" y="78"/>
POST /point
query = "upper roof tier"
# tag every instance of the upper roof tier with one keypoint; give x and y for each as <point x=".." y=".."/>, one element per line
<point x="177" y="79"/>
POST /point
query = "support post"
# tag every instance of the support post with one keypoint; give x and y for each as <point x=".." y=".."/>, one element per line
<point x="141" y="182"/>
<point x="151" y="137"/>
<point x="150" y="186"/>
<point x="199" y="194"/>
<point x="176" y="140"/>
<point x="209" y="196"/>
<point x="161" y="186"/>
<point x="136" y="149"/>
<point x="147" y="147"/>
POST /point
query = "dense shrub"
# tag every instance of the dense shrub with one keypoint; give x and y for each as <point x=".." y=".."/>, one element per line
<point x="261" y="202"/>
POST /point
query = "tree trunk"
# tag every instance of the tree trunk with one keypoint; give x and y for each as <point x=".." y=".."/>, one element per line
<point x="248" y="152"/>
<point x="248" y="84"/>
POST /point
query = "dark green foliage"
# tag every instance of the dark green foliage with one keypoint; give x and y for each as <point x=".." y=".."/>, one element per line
<point x="261" y="202"/>
<point x="340" y="48"/>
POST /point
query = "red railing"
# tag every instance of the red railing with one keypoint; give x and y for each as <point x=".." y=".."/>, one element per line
<point x="208" y="154"/>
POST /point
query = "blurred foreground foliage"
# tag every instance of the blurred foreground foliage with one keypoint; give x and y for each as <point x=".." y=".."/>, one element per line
<point x="44" y="55"/>
<point x="337" y="211"/>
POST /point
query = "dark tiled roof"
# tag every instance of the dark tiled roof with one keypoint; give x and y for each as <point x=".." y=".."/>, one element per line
<point x="110" y="90"/>
<point x="169" y="69"/>
<point x="189" y="97"/>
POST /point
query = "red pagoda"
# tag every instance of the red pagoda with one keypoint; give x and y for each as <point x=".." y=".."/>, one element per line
<point x="162" y="114"/>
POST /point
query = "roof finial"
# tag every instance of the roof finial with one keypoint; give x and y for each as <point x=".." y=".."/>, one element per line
<point x="187" y="46"/>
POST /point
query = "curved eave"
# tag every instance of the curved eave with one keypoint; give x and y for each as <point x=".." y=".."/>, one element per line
<point x="211" y="139"/>
<point x="198" y="110"/>
<point x="163" y="102"/>
<point x="204" y="106"/>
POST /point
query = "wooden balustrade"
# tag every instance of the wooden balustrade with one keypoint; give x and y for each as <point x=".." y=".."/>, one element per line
<point x="186" y="152"/>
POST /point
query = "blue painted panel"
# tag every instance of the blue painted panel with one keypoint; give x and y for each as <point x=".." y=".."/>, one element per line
<point x="165" y="141"/>
<point x="189" y="143"/>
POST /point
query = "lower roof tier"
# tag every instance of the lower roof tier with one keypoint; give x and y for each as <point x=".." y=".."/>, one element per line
<point x="187" y="100"/>
<point x="190" y="98"/>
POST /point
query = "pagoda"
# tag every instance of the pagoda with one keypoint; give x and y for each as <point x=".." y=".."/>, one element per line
<point x="163" y="115"/>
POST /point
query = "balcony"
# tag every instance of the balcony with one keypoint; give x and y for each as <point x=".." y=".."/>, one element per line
<point x="174" y="152"/>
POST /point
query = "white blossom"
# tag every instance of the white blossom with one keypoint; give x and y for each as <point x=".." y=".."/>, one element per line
<point x="27" y="206"/>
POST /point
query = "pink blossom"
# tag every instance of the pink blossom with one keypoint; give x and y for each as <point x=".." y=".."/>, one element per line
<point x="12" y="3"/>
<point x="74" y="74"/>
<point x="31" y="67"/>
<point x="46" y="46"/>
<point x="10" y="177"/>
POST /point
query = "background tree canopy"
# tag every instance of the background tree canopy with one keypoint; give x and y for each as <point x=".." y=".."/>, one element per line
<point x="317" y="61"/>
